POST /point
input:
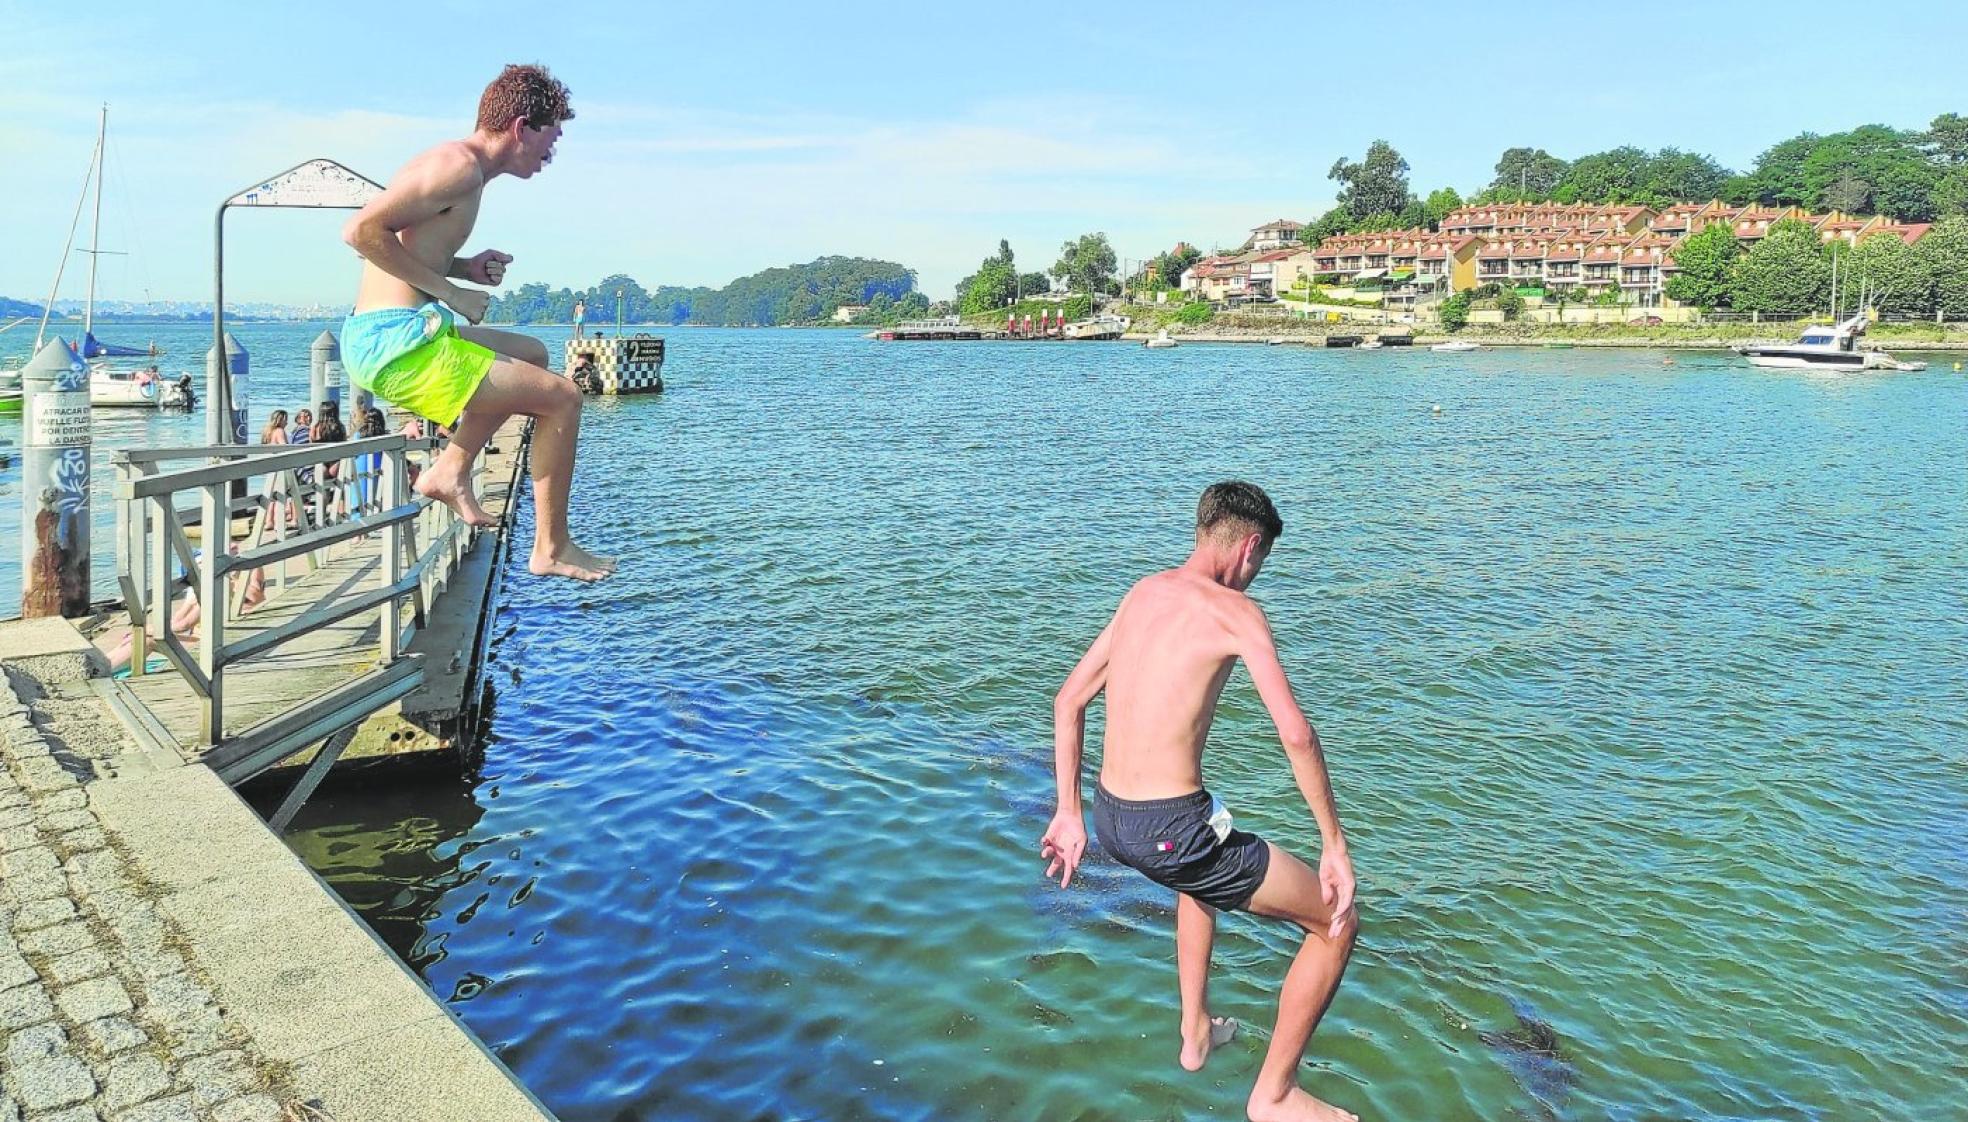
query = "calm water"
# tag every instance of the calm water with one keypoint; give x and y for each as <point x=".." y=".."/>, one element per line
<point x="1642" y="690"/>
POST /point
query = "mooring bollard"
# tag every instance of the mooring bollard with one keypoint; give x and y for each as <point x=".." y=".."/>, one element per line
<point x="237" y="363"/>
<point x="234" y="369"/>
<point x="55" y="483"/>
<point x="325" y="373"/>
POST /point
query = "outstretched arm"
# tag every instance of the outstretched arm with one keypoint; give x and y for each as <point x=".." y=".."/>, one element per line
<point x="1308" y="760"/>
<point x="1065" y="838"/>
<point x="434" y="181"/>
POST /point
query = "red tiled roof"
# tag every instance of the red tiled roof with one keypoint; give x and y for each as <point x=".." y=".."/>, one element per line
<point x="1908" y="232"/>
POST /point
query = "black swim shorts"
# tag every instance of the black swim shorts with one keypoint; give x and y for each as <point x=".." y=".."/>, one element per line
<point x="1173" y="843"/>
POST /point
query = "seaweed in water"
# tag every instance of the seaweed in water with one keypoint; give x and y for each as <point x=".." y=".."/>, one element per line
<point x="1535" y="1057"/>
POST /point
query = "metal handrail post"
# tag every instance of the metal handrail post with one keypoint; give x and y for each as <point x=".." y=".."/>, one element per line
<point x="217" y="532"/>
<point x="395" y="494"/>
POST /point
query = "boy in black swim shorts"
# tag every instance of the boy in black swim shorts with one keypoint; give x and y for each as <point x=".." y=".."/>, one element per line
<point x="1163" y="662"/>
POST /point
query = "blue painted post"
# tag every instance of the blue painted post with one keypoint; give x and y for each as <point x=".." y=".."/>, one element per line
<point x="55" y="483"/>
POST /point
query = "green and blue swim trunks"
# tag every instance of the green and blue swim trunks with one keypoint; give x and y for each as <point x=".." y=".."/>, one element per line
<point x="415" y="359"/>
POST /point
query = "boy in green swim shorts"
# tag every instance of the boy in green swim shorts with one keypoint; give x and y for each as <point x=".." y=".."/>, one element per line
<point x="403" y="342"/>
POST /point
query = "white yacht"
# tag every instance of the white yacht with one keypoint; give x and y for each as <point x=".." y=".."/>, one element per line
<point x="1457" y="345"/>
<point x="1823" y="347"/>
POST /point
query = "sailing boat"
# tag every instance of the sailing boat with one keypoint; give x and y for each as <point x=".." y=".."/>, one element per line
<point x="108" y="386"/>
<point x="142" y="388"/>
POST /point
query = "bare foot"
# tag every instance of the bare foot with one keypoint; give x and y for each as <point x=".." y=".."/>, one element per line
<point x="452" y="488"/>
<point x="574" y="554"/>
<point x="549" y="566"/>
<point x="1196" y="1047"/>
<point x="1297" y="1106"/>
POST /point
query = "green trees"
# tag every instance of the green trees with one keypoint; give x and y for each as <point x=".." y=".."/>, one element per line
<point x="1338" y="220"/>
<point x="1869" y="169"/>
<point x="793" y="293"/>
<point x="1454" y="311"/>
<point x="1634" y="175"/>
<point x="1526" y="175"/>
<point x="1376" y="185"/>
<point x="1169" y="267"/>
<point x="1509" y="303"/>
<point x="991" y="287"/>
<point x="1438" y="205"/>
<point x="1890" y="270"/>
<point x="1707" y="261"/>
<point x="1786" y="274"/>
<point x="1943" y="256"/>
<point x="1086" y="264"/>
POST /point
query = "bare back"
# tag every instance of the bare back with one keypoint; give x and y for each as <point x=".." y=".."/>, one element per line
<point x="439" y="191"/>
<point x="1173" y="644"/>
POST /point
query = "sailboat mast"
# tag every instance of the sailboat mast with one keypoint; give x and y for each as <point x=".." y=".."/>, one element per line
<point x="95" y="230"/>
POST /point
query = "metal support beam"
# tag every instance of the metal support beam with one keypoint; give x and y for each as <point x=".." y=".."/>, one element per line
<point x="317" y="770"/>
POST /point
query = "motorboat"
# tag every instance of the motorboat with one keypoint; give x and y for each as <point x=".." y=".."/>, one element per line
<point x="1275" y="341"/>
<point x="1369" y="345"/>
<point x="1162" y="339"/>
<point x="1824" y="347"/>
<point x="1457" y="345"/>
<point x="124" y="389"/>
<point x="1104" y="326"/>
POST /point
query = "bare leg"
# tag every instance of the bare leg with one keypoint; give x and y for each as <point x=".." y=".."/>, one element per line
<point x="1291" y="891"/>
<point x="1195" y="934"/>
<point x="555" y="405"/>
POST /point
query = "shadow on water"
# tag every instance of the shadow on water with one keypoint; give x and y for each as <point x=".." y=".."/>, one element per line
<point x="1536" y="1059"/>
<point x="394" y="850"/>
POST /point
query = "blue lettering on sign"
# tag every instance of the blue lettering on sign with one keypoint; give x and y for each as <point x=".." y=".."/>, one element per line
<point x="71" y="480"/>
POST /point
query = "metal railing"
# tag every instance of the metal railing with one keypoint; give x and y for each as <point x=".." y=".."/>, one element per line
<point x="314" y="502"/>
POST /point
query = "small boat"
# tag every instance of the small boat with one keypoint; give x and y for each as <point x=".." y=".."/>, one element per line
<point x="122" y="389"/>
<point x="1833" y="348"/>
<point x="1103" y="327"/>
<point x="1275" y="341"/>
<point x="1457" y="345"/>
<point x="1370" y="345"/>
<point x="1162" y="339"/>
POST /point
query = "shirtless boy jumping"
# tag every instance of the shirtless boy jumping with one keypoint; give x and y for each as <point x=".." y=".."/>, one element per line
<point x="402" y="344"/>
<point x="1163" y="662"/>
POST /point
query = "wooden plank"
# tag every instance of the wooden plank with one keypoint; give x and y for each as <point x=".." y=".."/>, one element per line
<point x="243" y="756"/>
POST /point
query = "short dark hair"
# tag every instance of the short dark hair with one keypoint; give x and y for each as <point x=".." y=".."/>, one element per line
<point x="523" y="93"/>
<point x="1240" y="507"/>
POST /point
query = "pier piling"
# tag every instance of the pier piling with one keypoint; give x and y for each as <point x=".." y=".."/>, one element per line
<point x="232" y="373"/>
<point x="325" y="377"/>
<point x="55" y="484"/>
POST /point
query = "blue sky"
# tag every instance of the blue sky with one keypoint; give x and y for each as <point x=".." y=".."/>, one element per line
<point x="716" y="139"/>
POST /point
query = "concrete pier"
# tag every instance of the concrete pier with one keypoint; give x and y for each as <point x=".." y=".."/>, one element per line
<point x="164" y="958"/>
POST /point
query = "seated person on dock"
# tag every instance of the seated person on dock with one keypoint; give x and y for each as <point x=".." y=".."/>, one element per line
<point x="402" y="344"/>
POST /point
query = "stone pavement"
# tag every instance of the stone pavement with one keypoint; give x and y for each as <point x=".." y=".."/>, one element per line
<point x="104" y="1016"/>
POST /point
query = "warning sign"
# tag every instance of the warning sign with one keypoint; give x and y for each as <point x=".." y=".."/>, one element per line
<point x="58" y="420"/>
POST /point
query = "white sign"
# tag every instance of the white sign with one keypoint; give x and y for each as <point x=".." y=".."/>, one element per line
<point x="317" y="183"/>
<point x="58" y="420"/>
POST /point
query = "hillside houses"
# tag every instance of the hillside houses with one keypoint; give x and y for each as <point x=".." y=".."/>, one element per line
<point x="1579" y="249"/>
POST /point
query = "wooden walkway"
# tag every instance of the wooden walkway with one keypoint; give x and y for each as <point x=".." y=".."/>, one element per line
<point x="321" y="674"/>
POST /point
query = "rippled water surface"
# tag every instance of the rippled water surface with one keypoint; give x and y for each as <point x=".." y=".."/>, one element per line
<point x="1642" y="689"/>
